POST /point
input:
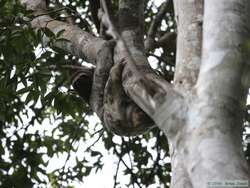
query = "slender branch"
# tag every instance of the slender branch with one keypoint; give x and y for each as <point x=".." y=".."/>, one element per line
<point x="97" y="132"/>
<point x="160" y="58"/>
<point x="156" y="22"/>
<point x="94" y="7"/>
<point x="156" y="161"/>
<point x="150" y="41"/>
<point x="49" y="12"/>
<point x="127" y="147"/>
<point x="168" y="39"/>
<point x="129" y="169"/>
<point x="99" y="137"/>
<point x="116" y="173"/>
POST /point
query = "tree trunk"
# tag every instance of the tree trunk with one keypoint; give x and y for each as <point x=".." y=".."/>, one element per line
<point x="216" y="112"/>
<point x="209" y="147"/>
<point x="202" y="112"/>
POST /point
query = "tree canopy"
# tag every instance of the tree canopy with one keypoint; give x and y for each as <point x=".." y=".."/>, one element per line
<point x="41" y="116"/>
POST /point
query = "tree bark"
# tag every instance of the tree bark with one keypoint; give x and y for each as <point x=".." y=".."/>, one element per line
<point x="202" y="112"/>
<point x="189" y="18"/>
<point x="214" y="147"/>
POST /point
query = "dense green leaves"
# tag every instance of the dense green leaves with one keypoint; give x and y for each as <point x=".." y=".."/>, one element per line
<point x="31" y="94"/>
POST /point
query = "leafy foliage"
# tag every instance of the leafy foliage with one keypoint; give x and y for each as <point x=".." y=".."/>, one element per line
<point x="41" y="117"/>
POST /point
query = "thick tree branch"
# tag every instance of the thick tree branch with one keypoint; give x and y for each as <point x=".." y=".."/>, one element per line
<point x="141" y="84"/>
<point x="79" y="42"/>
<point x="149" y="91"/>
<point x="89" y="82"/>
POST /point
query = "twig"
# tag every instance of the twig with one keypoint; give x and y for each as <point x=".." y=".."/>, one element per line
<point x="158" y="155"/>
<point x="116" y="173"/>
<point x="99" y="131"/>
<point x="101" y="134"/>
<point x="160" y="58"/>
<point x="49" y="12"/>
<point x="127" y="147"/>
<point x="150" y="41"/>
<point x="158" y="18"/>
<point x="166" y="38"/>
<point x="129" y="169"/>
